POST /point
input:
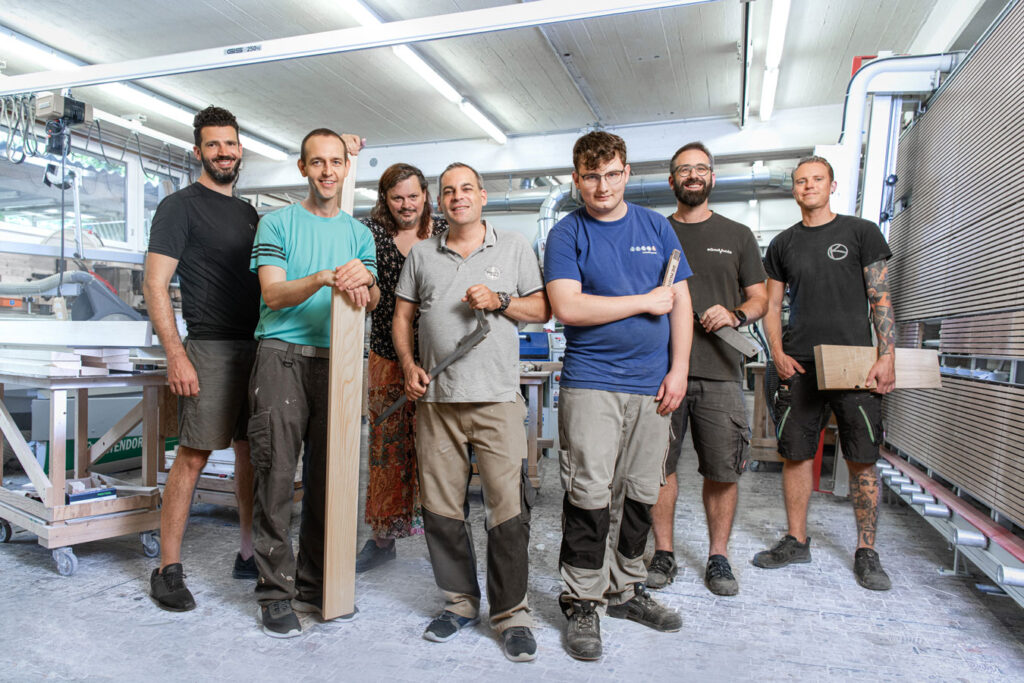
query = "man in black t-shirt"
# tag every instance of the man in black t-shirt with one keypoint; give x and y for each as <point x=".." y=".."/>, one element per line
<point x="834" y="267"/>
<point x="205" y="234"/>
<point x="727" y="289"/>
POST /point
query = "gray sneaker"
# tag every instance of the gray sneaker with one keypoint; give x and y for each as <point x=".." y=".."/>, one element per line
<point x="786" y="551"/>
<point x="868" y="570"/>
<point x="718" y="576"/>
<point x="279" y="620"/>
<point x="518" y="644"/>
<point x="643" y="609"/>
<point x="662" y="570"/>
<point x="446" y="626"/>
<point x="583" y="634"/>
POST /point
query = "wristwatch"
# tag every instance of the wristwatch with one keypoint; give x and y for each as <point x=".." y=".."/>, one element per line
<point x="504" y="299"/>
<point x="741" y="316"/>
<point x="373" y="283"/>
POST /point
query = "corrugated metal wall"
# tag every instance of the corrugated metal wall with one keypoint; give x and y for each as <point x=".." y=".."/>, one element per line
<point x="958" y="260"/>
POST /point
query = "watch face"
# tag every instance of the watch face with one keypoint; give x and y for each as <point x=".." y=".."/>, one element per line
<point x="740" y="315"/>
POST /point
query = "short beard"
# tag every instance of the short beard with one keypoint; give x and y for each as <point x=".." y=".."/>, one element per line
<point x="221" y="177"/>
<point x="692" y="198"/>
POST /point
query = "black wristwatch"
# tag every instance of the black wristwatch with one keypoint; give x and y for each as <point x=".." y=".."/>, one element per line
<point x="741" y="316"/>
<point x="504" y="299"/>
<point x="373" y="283"/>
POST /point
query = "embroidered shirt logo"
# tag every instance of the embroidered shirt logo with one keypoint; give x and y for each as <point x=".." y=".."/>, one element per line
<point x="837" y="252"/>
<point x="644" y="249"/>
<point x="493" y="272"/>
<point x="719" y="250"/>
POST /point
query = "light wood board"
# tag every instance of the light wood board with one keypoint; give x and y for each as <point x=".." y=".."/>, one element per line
<point x="847" y="367"/>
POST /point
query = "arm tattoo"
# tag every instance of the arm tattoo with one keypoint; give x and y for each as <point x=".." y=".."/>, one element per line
<point x="877" y="287"/>
<point x="864" y="493"/>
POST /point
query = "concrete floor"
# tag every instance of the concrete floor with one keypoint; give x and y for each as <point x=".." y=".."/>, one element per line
<point x="807" y="622"/>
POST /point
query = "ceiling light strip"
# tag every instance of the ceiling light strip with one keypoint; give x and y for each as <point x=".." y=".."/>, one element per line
<point x="773" y="56"/>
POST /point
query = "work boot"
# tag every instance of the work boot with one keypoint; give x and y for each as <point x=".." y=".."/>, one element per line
<point x="168" y="589"/>
<point x="583" y="634"/>
<point x="245" y="569"/>
<point x="518" y="644"/>
<point x="279" y="620"/>
<point x="786" y="551"/>
<point x="718" y="576"/>
<point x="372" y="556"/>
<point x="868" y="570"/>
<point x="662" y="570"/>
<point x="643" y="609"/>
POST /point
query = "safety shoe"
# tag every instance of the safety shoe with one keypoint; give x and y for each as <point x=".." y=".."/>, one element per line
<point x="279" y="620"/>
<point x="518" y="644"/>
<point x="168" y="589"/>
<point x="372" y="556"/>
<point x="786" y="551"/>
<point x="245" y="569"/>
<point x="662" y="570"/>
<point x="718" y="576"/>
<point x="643" y="609"/>
<point x="447" y="625"/>
<point x="583" y="634"/>
<point x="868" y="570"/>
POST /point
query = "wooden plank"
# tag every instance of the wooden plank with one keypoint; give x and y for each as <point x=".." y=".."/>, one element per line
<point x="141" y="501"/>
<point x="78" y="332"/>
<point x="847" y="367"/>
<point x="58" y="447"/>
<point x="152" y="444"/>
<point x="71" y="532"/>
<point x="24" y="454"/>
<point x="116" y="433"/>
<point x="344" y="402"/>
<point x="82" y="460"/>
<point x="28" y="505"/>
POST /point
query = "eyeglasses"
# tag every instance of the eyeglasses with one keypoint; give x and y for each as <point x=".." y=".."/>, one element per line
<point x="701" y="170"/>
<point x="611" y="177"/>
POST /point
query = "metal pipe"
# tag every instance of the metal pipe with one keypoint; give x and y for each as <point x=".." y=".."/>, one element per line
<point x="907" y="489"/>
<point x="856" y="101"/>
<point x="922" y="499"/>
<point x="889" y="473"/>
<point x="898" y="481"/>
<point x="37" y="287"/>
<point x="936" y="510"/>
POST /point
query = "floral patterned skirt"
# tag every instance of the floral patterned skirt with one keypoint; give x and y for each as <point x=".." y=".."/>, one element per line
<point x="393" y="492"/>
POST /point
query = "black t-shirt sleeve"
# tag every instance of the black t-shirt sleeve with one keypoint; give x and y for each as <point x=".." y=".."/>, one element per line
<point x="873" y="245"/>
<point x="773" y="259"/>
<point x="168" y="234"/>
<point x="751" y="267"/>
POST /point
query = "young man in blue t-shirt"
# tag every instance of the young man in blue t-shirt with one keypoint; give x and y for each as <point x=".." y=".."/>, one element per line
<point x="626" y="361"/>
<point x="296" y="255"/>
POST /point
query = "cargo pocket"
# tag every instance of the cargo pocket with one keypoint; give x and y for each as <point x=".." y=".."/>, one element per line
<point x="529" y="497"/>
<point x="742" y="443"/>
<point x="260" y="439"/>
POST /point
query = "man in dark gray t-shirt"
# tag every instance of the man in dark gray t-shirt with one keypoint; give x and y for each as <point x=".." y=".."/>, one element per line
<point x="727" y="289"/>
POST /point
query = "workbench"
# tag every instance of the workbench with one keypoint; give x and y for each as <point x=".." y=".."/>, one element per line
<point x="57" y="525"/>
<point x="534" y="383"/>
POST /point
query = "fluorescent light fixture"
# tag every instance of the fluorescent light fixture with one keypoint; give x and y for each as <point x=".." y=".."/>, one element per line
<point x="141" y="129"/>
<point x="773" y="56"/>
<point x="139" y="97"/>
<point x="366" y="17"/>
<point x="477" y="117"/>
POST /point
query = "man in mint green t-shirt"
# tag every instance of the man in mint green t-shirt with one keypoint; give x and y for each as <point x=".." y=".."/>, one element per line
<point x="300" y="253"/>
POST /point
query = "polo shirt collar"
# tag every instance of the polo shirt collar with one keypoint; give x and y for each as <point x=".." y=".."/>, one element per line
<point x="490" y="238"/>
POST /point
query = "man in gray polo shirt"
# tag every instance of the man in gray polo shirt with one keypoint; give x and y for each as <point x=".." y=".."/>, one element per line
<point x="476" y="400"/>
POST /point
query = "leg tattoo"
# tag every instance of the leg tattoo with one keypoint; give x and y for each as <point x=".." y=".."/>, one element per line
<point x="864" y="491"/>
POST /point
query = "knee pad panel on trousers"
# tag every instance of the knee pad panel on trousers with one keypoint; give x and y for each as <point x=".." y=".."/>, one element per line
<point x="451" y="553"/>
<point x="508" y="561"/>
<point x="584" y="536"/>
<point x="633" y="530"/>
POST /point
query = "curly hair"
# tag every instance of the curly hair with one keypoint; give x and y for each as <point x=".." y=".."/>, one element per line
<point x="211" y="116"/>
<point x="596" y="148"/>
<point x="393" y="175"/>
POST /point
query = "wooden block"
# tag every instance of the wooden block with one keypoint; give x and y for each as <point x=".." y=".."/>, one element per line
<point x="344" y="405"/>
<point x="847" y="367"/>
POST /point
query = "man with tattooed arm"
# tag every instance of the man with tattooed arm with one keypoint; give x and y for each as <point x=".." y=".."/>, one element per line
<point x="834" y="267"/>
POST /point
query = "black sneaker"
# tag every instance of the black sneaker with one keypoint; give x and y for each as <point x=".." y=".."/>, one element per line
<point x="786" y="551"/>
<point x="168" y="589"/>
<point x="372" y="556"/>
<point x="643" y="609"/>
<point x="245" y="569"/>
<point x="868" y="570"/>
<point x="278" y="619"/>
<point x="718" y="576"/>
<point x="518" y="644"/>
<point x="315" y="605"/>
<point x="662" y="570"/>
<point x="447" y="625"/>
<point x="583" y="634"/>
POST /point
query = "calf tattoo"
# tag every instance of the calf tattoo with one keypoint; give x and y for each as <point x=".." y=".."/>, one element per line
<point x="864" y="492"/>
<point x="877" y="287"/>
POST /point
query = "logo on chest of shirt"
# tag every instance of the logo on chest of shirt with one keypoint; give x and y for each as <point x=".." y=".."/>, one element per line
<point x="492" y="272"/>
<point x="720" y="250"/>
<point x="644" y="248"/>
<point x="837" y="252"/>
